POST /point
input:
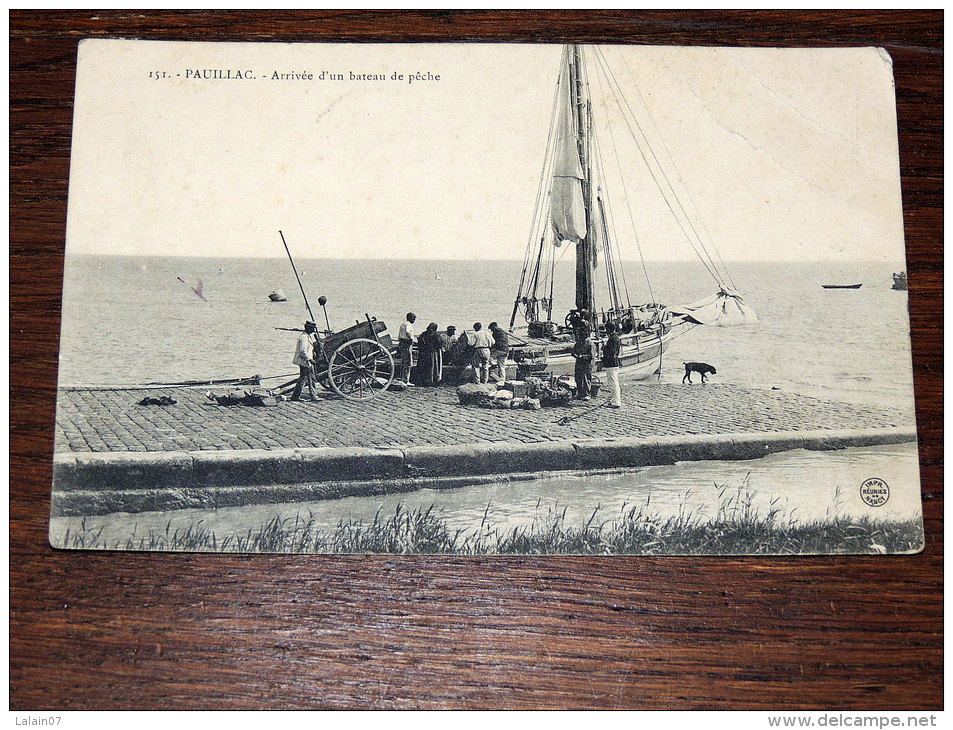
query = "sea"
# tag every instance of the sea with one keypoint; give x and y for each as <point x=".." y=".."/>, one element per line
<point x="135" y="320"/>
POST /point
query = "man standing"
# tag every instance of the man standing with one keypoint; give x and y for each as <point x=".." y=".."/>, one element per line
<point x="611" y="363"/>
<point x="406" y="338"/>
<point x="501" y="346"/>
<point x="447" y="340"/>
<point x="304" y="359"/>
<point x="482" y="342"/>
<point x="585" y="353"/>
<point x="461" y="357"/>
<point x="430" y="355"/>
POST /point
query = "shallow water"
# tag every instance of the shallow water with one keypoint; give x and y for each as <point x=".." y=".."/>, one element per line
<point x="802" y="485"/>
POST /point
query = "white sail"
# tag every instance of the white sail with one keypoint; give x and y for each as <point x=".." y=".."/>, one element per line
<point x="568" y="212"/>
<point x="724" y="309"/>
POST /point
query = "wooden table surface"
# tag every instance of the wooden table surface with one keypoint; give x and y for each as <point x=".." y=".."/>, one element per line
<point x="126" y="631"/>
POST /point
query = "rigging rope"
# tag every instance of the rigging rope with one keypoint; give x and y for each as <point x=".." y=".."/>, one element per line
<point x="537" y="227"/>
<point x="610" y="263"/>
<point x="625" y="196"/>
<point x="599" y="218"/>
<point x="688" y="192"/>
<point x="615" y="240"/>
<point x="688" y="219"/>
<point x="617" y="93"/>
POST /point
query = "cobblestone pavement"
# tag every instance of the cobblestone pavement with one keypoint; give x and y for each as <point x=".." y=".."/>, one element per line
<point x="90" y="419"/>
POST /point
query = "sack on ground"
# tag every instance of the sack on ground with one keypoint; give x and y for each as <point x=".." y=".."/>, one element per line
<point x="471" y="393"/>
<point x="162" y="400"/>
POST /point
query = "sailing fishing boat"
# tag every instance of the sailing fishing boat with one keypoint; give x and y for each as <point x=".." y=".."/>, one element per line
<point x="573" y="210"/>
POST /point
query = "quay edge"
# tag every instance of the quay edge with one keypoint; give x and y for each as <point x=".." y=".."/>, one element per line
<point x="100" y="483"/>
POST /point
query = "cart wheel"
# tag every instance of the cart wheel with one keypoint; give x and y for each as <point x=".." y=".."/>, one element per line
<point x="360" y="369"/>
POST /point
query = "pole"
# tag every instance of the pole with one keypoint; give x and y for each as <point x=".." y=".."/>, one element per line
<point x="578" y="99"/>
<point x="294" y="268"/>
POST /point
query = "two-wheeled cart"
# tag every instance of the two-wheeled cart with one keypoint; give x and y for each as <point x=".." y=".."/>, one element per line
<point x="356" y="363"/>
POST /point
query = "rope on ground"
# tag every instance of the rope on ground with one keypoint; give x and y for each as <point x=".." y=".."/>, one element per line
<point x="566" y="420"/>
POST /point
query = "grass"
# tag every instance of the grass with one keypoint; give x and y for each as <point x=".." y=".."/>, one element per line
<point x="736" y="529"/>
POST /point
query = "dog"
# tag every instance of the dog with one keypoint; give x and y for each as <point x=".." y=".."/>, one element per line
<point x="702" y="368"/>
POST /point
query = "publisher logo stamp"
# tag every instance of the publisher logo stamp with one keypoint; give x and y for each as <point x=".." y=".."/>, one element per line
<point x="874" y="492"/>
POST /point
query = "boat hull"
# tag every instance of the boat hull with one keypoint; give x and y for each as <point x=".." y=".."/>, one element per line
<point x="841" y="286"/>
<point x="641" y="357"/>
<point x="634" y="368"/>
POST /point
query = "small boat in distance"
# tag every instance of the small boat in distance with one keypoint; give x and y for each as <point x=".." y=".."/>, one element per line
<point x="841" y="286"/>
<point x="278" y="295"/>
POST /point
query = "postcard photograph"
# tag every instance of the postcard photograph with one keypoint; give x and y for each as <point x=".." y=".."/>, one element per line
<point x="485" y="299"/>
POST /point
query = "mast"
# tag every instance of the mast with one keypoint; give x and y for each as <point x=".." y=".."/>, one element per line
<point x="582" y="114"/>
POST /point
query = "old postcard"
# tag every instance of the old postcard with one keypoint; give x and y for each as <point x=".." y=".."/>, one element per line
<point x="485" y="299"/>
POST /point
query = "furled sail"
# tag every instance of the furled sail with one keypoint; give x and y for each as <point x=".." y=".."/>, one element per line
<point x="724" y="309"/>
<point x="568" y="206"/>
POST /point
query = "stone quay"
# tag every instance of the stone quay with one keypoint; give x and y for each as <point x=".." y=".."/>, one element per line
<point x="112" y="454"/>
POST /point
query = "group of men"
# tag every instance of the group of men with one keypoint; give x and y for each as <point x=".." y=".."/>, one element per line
<point x="482" y="350"/>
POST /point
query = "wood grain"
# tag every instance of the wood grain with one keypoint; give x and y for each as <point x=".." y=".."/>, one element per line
<point x="207" y="631"/>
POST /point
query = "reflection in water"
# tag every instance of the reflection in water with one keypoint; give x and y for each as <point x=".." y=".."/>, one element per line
<point x="804" y="485"/>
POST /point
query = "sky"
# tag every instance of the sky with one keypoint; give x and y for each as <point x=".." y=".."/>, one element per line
<point x="779" y="154"/>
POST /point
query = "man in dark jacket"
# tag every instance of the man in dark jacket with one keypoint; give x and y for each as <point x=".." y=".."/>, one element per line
<point x="585" y="353"/>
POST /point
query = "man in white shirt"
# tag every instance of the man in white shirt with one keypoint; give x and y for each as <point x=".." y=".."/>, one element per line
<point x="304" y="359"/>
<point x="406" y="338"/>
<point x="482" y="341"/>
